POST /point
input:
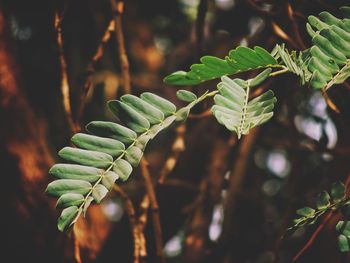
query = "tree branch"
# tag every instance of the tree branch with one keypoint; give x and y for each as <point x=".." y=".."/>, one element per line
<point x="64" y="76"/>
<point x="130" y="210"/>
<point x="200" y="24"/>
<point x="118" y="8"/>
<point x="155" y="209"/>
<point x="295" y="27"/>
<point x="237" y="176"/>
<point x="177" y="148"/>
<point x="91" y="69"/>
<point x="318" y="230"/>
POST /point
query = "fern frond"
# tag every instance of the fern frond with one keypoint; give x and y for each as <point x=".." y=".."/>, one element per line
<point x="330" y="53"/>
<point x="109" y="152"/>
<point x="235" y="111"/>
<point x="239" y="60"/>
<point x="295" y="62"/>
<point x="324" y="203"/>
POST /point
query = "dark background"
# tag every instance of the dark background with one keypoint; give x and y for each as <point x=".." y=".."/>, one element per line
<point x="277" y="169"/>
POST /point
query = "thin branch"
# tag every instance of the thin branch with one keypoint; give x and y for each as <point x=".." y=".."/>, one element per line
<point x="312" y="239"/>
<point x="77" y="255"/>
<point x="330" y="102"/>
<point x="282" y="34"/>
<point x="118" y="8"/>
<point x="142" y="222"/>
<point x="238" y="174"/>
<point x="91" y="69"/>
<point x="209" y="195"/>
<point x="176" y="149"/>
<point x="318" y="230"/>
<point x="64" y="75"/>
<point x="66" y="106"/>
<point x="155" y="209"/>
<point x="130" y="210"/>
<point x="295" y="27"/>
<point x="200" y="24"/>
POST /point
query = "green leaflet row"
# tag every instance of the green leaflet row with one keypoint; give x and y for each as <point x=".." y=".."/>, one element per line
<point x="109" y="152"/>
<point x="235" y="111"/>
<point x="239" y="60"/>
<point x="326" y="202"/>
<point x="329" y="56"/>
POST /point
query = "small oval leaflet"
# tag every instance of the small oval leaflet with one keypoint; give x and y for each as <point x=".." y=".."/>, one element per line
<point x="69" y="199"/>
<point x="63" y="186"/>
<point x="67" y="218"/>
<point x="186" y="95"/>
<point x="123" y="169"/>
<point x="99" y="144"/>
<point x="109" y="179"/>
<point x="130" y="117"/>
<point x="76" y="171"/>
<point x="112" y="130"/>
<point x="151" y="113"/>
<point x="133" y="155"/>
<point x="86" y="157"/>
<point x="99" y="192"/>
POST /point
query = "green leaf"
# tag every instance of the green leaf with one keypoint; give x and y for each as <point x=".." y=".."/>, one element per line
<point x="317" y="80"/>
<point x="216" y="64"/>
<point x="267" y="58"/>
<point x="186" y="95"/>
<point x="63" y="186"/>
<point x="343" y="243"/>
<point x="75" y="171"/>
<point x="239" y="60"/>
<point x="133" y="155"/>
<point x="123" y="169"/>
<point x="147" y="110"/>
<point x="130" y="117"/>
<point x="260" y="78"/>
<point x="70" y="199"/>
<point x="112" y="130"/>
<point x="331" y="38"/>
<point x="322" y="201"/>
<point x="338" y="191"/>
<point x="67" y="218"/>
<point x="234" y="110"/>
<point x="99" y="192"/>
<point x="306" y="211"/>
<point x="293" y="62"/>
<point x="179" y="78"/>
<point x="98" y="144"/>
<point x="160" y="103"/>
<point x="87" y="204"/>
<point x="344" y="227"/>
<point x="109" y="179"/>
<point x="182" y="114"/>
<point x="343" y="74"/>
<point x="143" y="140"/>
<point x="99" y="156"/>
<point x="86" y="157"/>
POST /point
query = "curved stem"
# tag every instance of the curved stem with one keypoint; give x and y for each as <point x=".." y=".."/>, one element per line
<point x="279" y="72"/>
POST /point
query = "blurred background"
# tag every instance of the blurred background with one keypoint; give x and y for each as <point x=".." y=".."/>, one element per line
<point x="220" y="200"/>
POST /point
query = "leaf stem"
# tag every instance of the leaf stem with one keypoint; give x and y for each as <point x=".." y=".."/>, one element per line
<point x="279" y="72"/>
<point x="334" y="79"/>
